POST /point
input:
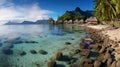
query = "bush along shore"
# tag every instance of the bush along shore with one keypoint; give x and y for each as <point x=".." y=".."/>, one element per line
<point x="95" y="50"/>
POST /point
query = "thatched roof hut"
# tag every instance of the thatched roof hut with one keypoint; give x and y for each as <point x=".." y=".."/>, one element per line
<point x="92" y="20"/>
<point x="76" y="21"/>
<point x="81" y="21"/>
<point x="60" y="21"/>
<point x="70" y="21"/>
<point x="65" y="21"/>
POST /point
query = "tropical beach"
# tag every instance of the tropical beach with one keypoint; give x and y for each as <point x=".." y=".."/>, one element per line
<point x="41" y="33"/>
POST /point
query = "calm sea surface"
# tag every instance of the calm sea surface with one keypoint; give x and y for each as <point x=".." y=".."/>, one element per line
<point x="18" y="41"/>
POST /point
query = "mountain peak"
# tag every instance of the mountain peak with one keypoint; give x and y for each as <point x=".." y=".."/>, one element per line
<point x="77" y="13"/>
<point x="77" y="9"/>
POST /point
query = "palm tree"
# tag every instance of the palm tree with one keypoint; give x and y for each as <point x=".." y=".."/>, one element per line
<point x="117" y="7"/>
<point x="116" y="3"/>
<point x="106" y="10"/>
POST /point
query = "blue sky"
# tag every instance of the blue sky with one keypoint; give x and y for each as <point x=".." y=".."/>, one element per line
<point x="58" y="6"/>
<point x="40" y="9"/>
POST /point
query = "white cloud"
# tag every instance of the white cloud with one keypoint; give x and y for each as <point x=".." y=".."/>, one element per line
<point x="9" y="11"/>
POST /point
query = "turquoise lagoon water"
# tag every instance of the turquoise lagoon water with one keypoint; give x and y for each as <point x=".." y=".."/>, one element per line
<point x="50" y="38"/>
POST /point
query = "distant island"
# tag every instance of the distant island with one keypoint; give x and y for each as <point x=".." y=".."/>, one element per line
<point x="73" y="16"/>
<point x="76" y="14"/>
<point x="27" y="22"/>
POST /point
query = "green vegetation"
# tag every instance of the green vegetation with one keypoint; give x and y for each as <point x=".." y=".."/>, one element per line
<point x="107" y="10"/>
<point x="51" y="20"/>
<point x="75" y="14"/>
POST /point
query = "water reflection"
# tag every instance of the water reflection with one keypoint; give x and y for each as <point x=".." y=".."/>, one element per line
<point x="32" y="30"/>
<point x="57" y="30"/>
<point x="61" y="30"/>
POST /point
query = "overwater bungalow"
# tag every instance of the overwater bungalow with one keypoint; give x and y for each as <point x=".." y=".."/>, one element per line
<point x="92" y="20"/>
<point x="70" y="21"/>
<point x="65" y="22"/>
<point x="76" y="21"/>
<point x="81" y="21"/>
<point x="59" y="22"/>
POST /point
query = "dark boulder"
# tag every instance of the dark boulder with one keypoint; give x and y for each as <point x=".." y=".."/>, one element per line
<point x="42" y="52"/>
<point x="87" y="65"/>
<point x="85" y="52"/>
<point x="7" y="51"/>
<point x="82" y="45"/>
<point x="51" y="64"/>
<point x="94" y="46"/>
<point x="31" y="42"/>
<point x="77" y="51"/>
<point x="58" y="56"/>
<point x="68" y="43"/>
<point x="22" y="53"/>
<point x="86" y="62"/>
<point x="33" y="52"/>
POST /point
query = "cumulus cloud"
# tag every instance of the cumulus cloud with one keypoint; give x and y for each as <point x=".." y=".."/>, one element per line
<point x="9" y="11"/>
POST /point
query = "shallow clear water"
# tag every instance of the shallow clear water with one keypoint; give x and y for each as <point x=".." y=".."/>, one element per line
<point x="50" y="38"/>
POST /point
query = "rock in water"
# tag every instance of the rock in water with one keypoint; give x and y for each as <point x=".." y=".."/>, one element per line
<point x="33" y="52"/>
<point x="58" y="56"/>
<point x="7" y="51"/>
<point x="51" y="64"/>
<point x="77" y="51"/>
<point x="94" y="46"/>
<point x="87" y="65"/>
<point x="67" y="43"/>
<point x="22" y="53"/>
<point x="31" y="42"/>
<point x="42" y="52"/>
<point x="85" y="52"/>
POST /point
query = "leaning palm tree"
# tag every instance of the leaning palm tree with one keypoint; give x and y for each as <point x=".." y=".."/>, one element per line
<point x="105" y="10"/>
<point x="116" y="5"/>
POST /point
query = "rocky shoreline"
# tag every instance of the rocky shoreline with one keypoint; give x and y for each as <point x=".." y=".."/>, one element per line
<point x="95" y="50"/>
<point x="108" y="46"/>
